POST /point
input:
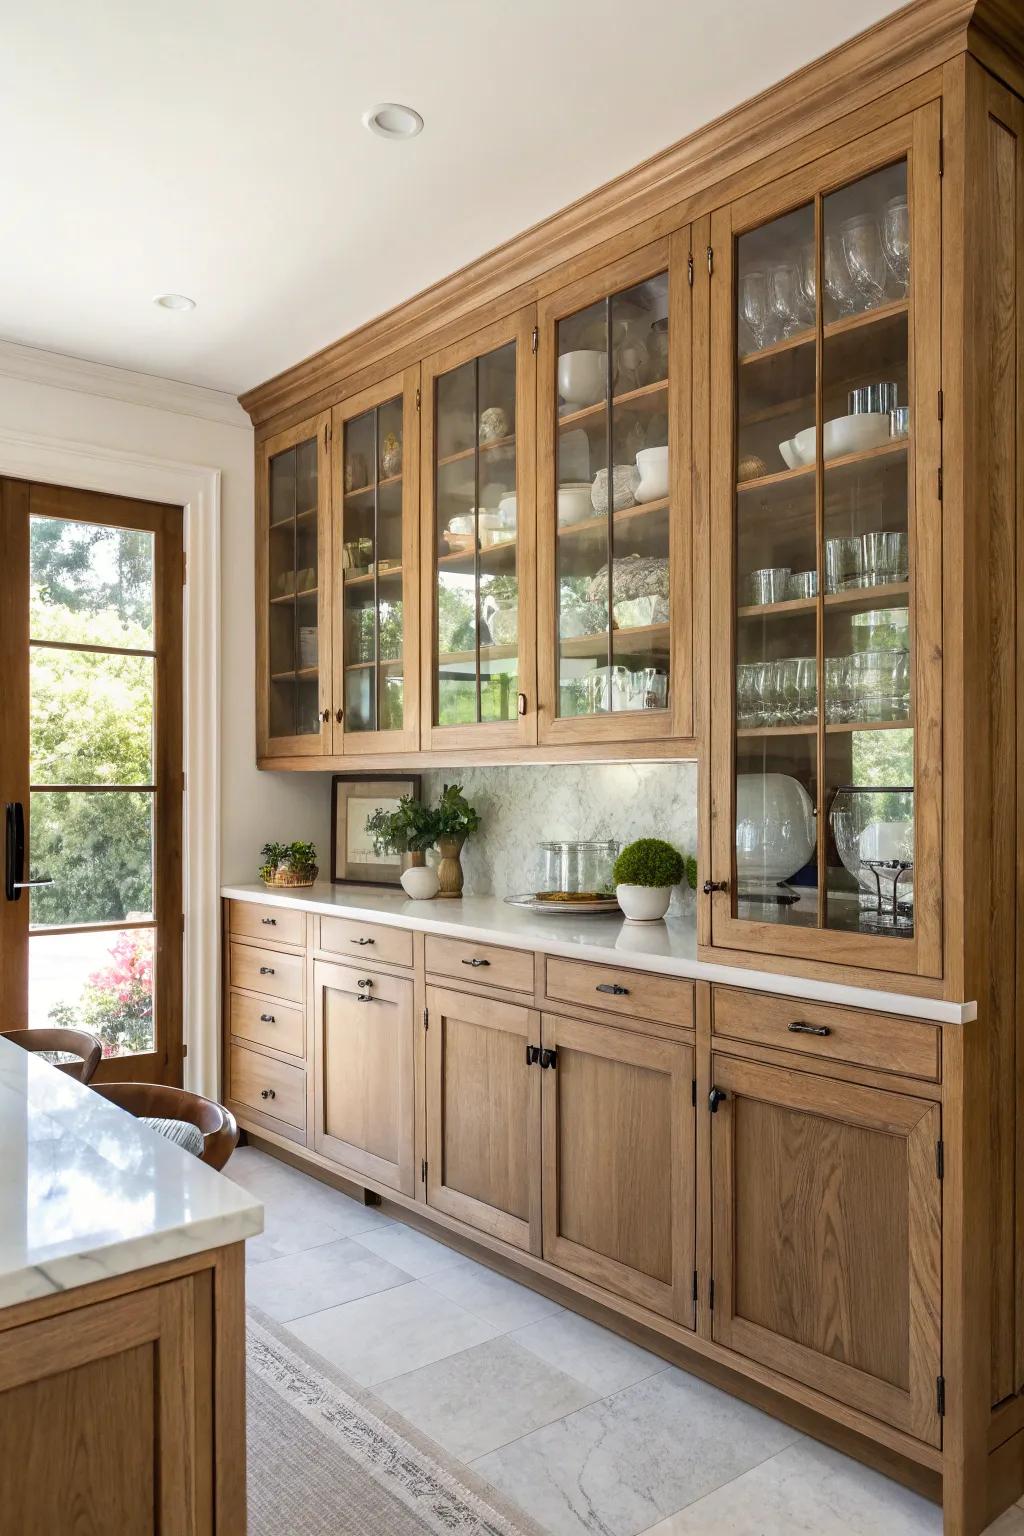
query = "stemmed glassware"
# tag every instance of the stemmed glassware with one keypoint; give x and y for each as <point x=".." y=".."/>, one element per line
<point x="785" y="300"/>
<point x="865" y="259"/>
<point x="838" y="283"/>
<point x="754" y="309"/>
<point x="896" y="242"/>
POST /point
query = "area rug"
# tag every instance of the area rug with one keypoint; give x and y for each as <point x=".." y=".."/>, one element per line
<point x="326" y="1458"/>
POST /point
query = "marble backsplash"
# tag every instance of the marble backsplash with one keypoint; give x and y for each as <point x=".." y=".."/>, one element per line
<point x="521" y="806"/>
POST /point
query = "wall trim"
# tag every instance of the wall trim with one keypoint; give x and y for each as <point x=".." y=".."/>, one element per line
<point x="33" y="365"/>
<point x="197" y="489"/>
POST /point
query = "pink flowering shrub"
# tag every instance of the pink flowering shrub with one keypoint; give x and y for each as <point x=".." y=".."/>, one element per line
<point x="116" y="1002"/>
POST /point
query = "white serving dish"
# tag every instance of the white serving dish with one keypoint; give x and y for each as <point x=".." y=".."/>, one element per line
<point x="566" y="908"/>
<point x="582" y="377"/>
<point x="790" y="457"/>
<point x="844" y="434"/>
<point x="574" y="503"/>
<point x="653" y="466"/>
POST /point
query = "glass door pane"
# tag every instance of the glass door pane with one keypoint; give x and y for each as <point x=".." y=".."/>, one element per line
<point x="824" y="742"/>
<point x="294" y="661"/>
<point x="477" y="587"/>
<point x="613" y="547"/>
<point x="372" y="569"/>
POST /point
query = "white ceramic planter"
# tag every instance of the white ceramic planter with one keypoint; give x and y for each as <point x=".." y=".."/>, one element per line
<point x="420" y="882"/>
<point x="644" y="903"/>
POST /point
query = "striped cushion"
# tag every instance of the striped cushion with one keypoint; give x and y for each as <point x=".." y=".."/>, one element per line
<point x="182" y="1132"/>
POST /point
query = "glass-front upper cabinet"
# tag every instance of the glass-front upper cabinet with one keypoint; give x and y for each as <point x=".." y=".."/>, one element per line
<point x="293" y="605"/>
<point x="375" y="579"/>
<point x="478" y="539"/>
<point x="825" y="458"/>
<point x="613" y="453"/>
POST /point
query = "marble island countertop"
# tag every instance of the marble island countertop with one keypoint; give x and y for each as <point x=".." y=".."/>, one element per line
<point x="88" y="1192"/>
<point x="669" y="948"/>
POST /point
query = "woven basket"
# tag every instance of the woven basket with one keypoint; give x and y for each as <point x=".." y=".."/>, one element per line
<point x="288" y="879"/>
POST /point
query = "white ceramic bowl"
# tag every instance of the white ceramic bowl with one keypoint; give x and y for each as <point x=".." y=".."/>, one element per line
<point x="855" y="434"/>
<point x="582" y="377"/>
<point x="804" y="447"/>
<point x="775" y="831"/>
<point x="653" y="466"/>
<point x="574" y="504"/>
<point x="461" y="524"/>
<point x="789" y="454"/>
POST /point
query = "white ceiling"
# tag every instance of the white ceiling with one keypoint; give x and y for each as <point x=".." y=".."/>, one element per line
<point x="214" y="148"/>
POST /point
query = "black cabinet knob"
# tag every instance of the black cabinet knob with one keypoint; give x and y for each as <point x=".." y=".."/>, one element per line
<point x="711" y="886"/>
<point x="715" y="1098"/>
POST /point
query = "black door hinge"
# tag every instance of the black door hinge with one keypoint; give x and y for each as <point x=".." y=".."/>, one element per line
<point x="695" y="1287"/>
<point x="940" y="1159"/>
<point x="426" y="1018"/>
<point x="942" y="404"/>
<point x="417" y="399"/>
<point x="693" y="1093"/>
<point x="423" y="1171"/>
<point x="711" y="1294"/>
<point x="940" y="483"/>
<point x="689" y="269"/>
<point x="534" y="339"/>
<point x="942" y="157"/>
<point x="940" y="1396"/>
<point x="549" y="1057"/>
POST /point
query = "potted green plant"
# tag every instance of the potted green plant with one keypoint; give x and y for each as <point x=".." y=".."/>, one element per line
<point x="454" y="820"/>
<point x="408" y="830"/>
<point x="644" y="874"/>
<point x="288" y="864"/>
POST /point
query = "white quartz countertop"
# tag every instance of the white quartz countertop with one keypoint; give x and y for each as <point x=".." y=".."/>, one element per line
<point x="669" y="948"/>
<point x="87" y="1192"/>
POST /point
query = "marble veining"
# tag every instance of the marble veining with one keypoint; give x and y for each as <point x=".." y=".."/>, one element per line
<point x="87" y="1192"/>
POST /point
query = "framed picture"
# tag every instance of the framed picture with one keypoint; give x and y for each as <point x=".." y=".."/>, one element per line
<point x="354" y="798"/>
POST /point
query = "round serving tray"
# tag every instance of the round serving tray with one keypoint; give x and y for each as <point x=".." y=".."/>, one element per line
<point x="605" y="905"/>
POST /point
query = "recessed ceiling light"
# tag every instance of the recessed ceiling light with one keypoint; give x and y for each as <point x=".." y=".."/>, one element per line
<point x="174" y="301"/>
<point x="393" y="121"/>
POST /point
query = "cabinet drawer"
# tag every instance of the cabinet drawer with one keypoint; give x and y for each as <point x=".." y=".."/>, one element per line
<point x="877" y="1040"/>
<point x="352" y="940"/>
<point x="511" y="969"/>
<point x="268" y="1023"/>
<point x="634" y="994"/>
<point x="267" y="971"/>
<point x="271" y="1086"/>
<point x="279" y="925"/>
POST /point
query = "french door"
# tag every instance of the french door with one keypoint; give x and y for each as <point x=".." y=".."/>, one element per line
<point x="91" y="778"/>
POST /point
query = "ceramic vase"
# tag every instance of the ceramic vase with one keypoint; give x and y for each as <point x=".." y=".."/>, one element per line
<point x="449" y="871"/>
<point x="419" y="882"/>
<point x="644" y="903"/>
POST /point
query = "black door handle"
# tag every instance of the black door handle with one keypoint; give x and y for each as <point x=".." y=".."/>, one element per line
<point x="266" y="970"/>
<point x="715" y="1098"/>
<point x="474" y="962"/>
<point x="809" y="1029"/>
<point x="14" y="854"/>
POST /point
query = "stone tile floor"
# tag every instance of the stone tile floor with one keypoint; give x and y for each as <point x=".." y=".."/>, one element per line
<point x="582" y="1429"/>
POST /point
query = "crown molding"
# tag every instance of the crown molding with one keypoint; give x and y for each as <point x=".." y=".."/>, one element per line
<point x="920" y="37"/>
<point x="32" y="365"/>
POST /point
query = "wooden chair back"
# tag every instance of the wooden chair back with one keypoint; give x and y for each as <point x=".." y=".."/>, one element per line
<point x="161" y="1101"/>
<point x="74" y="1042"/>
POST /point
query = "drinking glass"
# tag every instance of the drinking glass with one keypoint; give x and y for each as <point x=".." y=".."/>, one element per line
<point x="746" y="694"/>
<point x="838" y="283"/>
<point x="808" y="276"/>
<point x="754" y="307"/>
<point x="885" y="558"/>
<point x="901" y="685"/>
<point x="865" y="682"/>
<point x="844" y="564"/>
<point x="837" y="690"/>
<point x="784" y="300"/>
<point x="764" y="691"/>
<point x="865" y="260"/>
<point x="807" y="690"/>
<point x="789" y="691"/>
<point x="896" y="243"/>
<point x="770" y="585"/>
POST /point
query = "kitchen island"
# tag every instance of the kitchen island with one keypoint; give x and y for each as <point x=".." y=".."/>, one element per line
<point x="122" y="1332"/>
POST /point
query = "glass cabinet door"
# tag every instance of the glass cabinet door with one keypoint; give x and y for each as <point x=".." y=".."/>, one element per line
<point x="293" y="607"/>
<point x="613" y="435"/>
<point x="826" y="711"/>
<point x="478" y="538"/>
<point x="376" y="646"/>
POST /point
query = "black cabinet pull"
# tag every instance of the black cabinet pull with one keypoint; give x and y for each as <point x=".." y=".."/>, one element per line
<point x="797" y="1028"/>
<point x="532" y="1055"/>
<point x="361" y="941"/>
<point x="711" y="886"/>
<point x="474" y="962"/>
<point x="269" y="922"/>
<point x="266" y="970"/>
<point x="613" y="988"/>
<point x="267" y="1093"/>
<point x="715" y="1098"/>
<point x="548" y="1056"/>
<point x="267" y="1018"/>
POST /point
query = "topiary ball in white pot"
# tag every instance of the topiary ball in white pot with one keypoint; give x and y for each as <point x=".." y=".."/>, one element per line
<point x="644" y="874"/>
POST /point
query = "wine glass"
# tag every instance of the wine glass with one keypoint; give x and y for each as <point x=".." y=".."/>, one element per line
<point x="754" y="307"/>
<point x="838" y="284"/>
<point x="896" y="241"/>
<point x="784" y="300"/>
<point x="807" y="268"/>
<point x="865" y="260"/>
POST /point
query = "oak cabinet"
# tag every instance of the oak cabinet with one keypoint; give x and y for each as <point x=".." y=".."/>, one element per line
<point x="293" y="595"/>
<point x="826" y="1220"/>
<point x="483" y="1115"/>
<point x="613" y="478"/>
<point x="826" y="538"/>
<point x="364" y="1048"/>
<point x="618" y="1161"/>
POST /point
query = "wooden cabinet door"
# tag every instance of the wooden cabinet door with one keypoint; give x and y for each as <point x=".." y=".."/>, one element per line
<point x="618" y="1161"/>
<point x="826" y="1231"/>
<point x="364" y="1045"/>
<point x="826" y="558"/>
<point x="376" y="644"/>
<point x="483" y="1115"/>
<point x="293" y="591"/>
<point x="614" y="630"/>
<point x="98" y="1412"/>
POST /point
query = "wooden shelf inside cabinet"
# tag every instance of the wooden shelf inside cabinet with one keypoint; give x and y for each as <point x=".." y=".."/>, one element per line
<point x="307" y="516"/>
<point x="644" y="398"/>
<point x="501" y="554"/>
<point x="881" y="315"/>
<point x="487" y="653"/>
<point x="496" y="445"/>
<point x="758" y="732"/>
<point x="785" y="476"/>
<point x="620" y="519"/>
<point x="302" y="675"/>
<point x="625" y="642"/>
<point x="368" y="490"/>
<point x="291" y="597"/>
<point x="792" y="605"/>
<point x="862" y="599"/>
<point x="364" y="666"/>
<point x="778" y="349"/>
<point x="847" y="727"/>
<point x="366" y="578"/>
